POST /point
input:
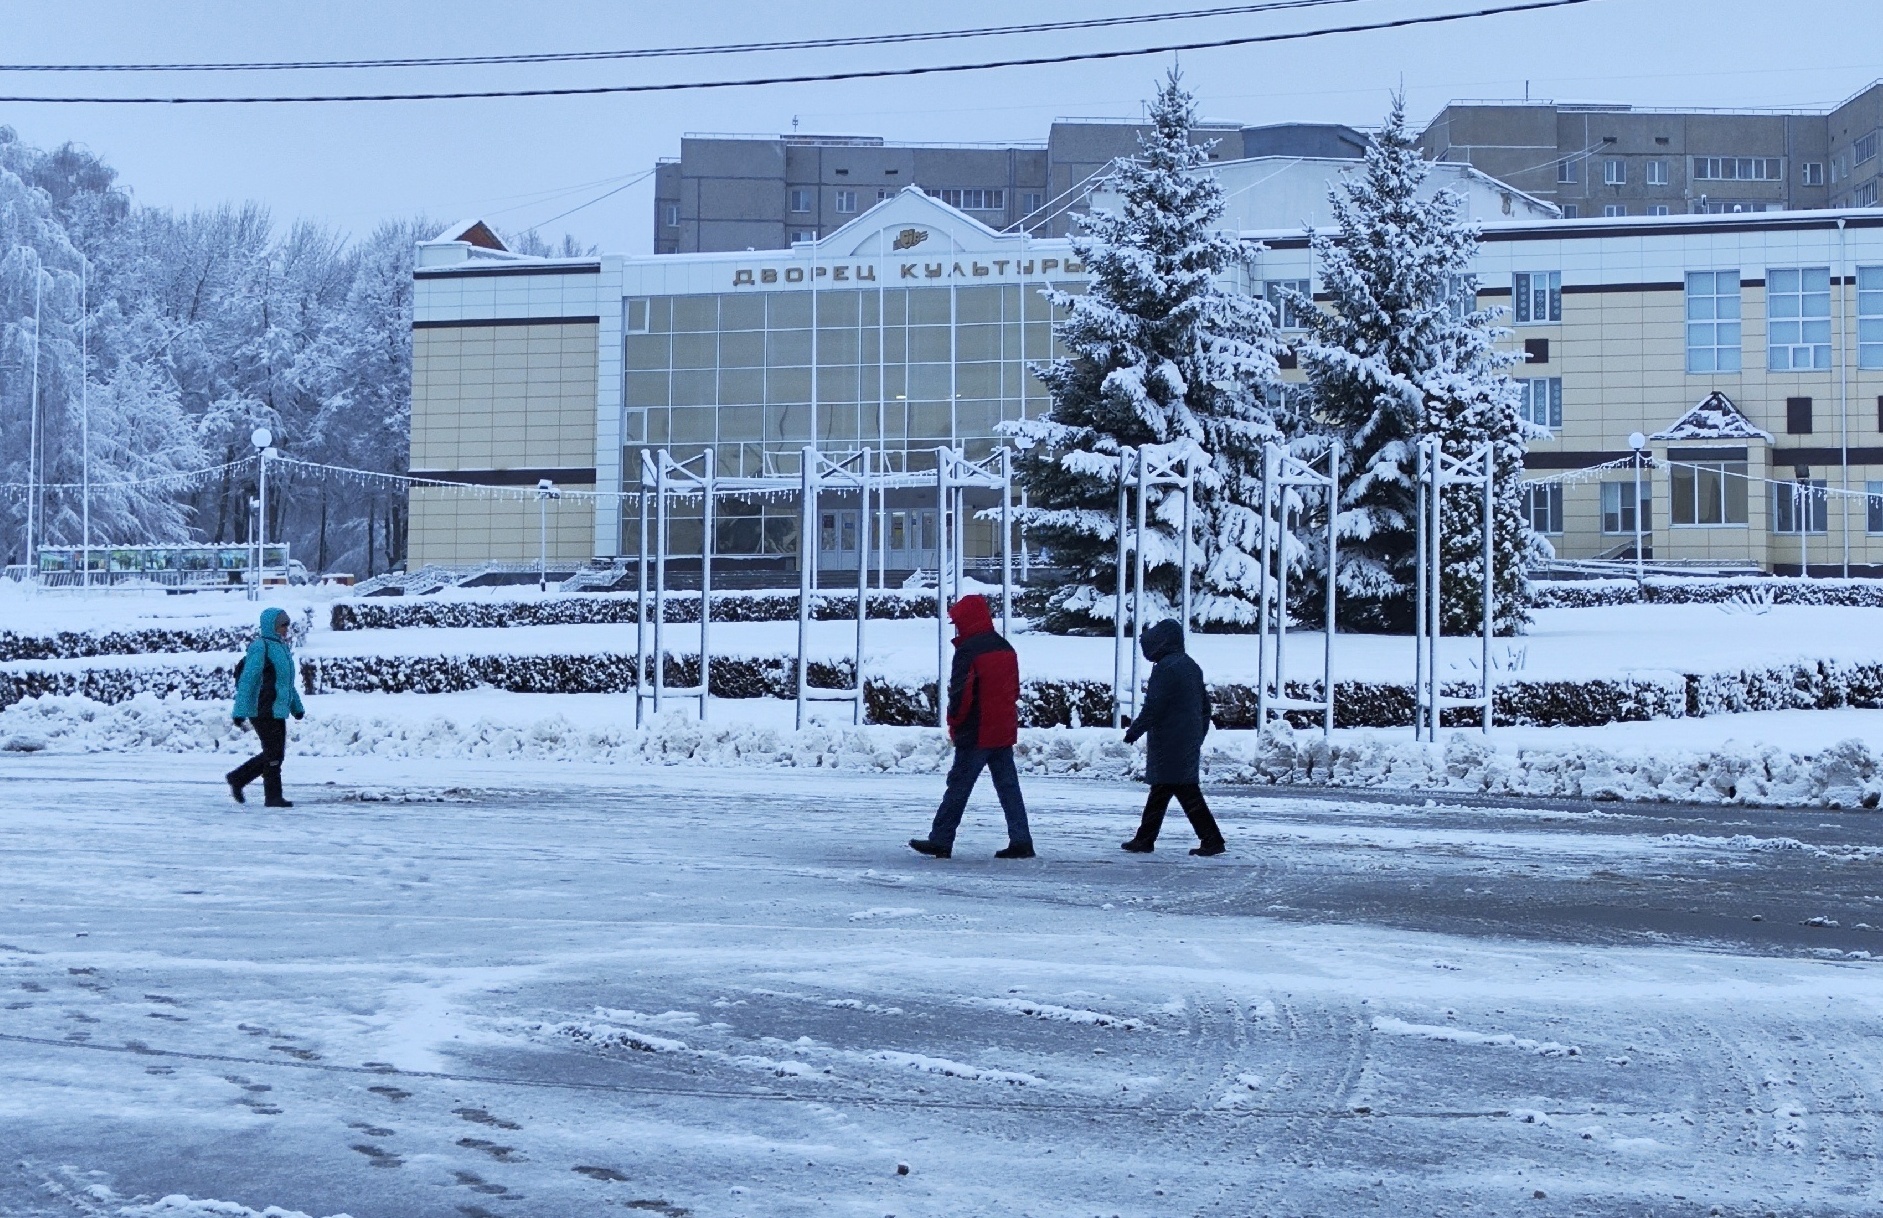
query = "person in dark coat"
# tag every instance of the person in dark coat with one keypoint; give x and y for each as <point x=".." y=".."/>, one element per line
<point x="983" y="723"/>
<point x="1176" y="717"/>
<point x="264" y="698"/>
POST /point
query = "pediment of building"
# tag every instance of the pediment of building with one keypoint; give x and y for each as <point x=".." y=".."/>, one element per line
<point x="1713" y="417"/>
<point x="913" y="223"/>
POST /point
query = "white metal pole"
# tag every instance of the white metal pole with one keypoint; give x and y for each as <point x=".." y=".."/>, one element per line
<point x="542" y="542"/>
<point x="863" y="569"/>
<point x="32" y="430"/>
<point x="941" y="587"/>
<point x="1189" y="489"/>
<point x="1639" y="580"/>
<point x="261" y="527"/>
<point x="661" y="461"/>
<point x="1436" y="568"/>
<point x="708" y="481"/>
<point x="1843" y="390"/>
<point x="640" y="618"/>
<point x="1137" y="575"/>
<point x="1490" y="572"/>
<point x="1006" y="541"/>
<point x="1419" y="606"/>
<point x="1118" y="600"/>
<point x="1262" y="628"/>
<point x="807" y="560"/>
<point x="85" y="409"/>
<point x="1333" y="569"/>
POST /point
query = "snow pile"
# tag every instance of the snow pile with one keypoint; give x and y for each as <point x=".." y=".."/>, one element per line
<point x="1843" y="775"/>
<point x="1389" y="1026"/>
<point x="176" y="1205"/>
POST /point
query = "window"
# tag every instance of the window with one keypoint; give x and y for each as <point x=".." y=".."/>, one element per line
<point x="1461" y="295"/>
<point x="1614" y="209"/>
<point x="1288" y="311"/>
<point x="846" y="201"/>
<point x="1566" y="170"/>
<point x="1709" y="492"/>
<point x="1571" y="211"/>
<point x="1873" y="507"/>
<point x="883" y="192"/>
<point x="1864" y="195"/>
<point x="1658" y="209"/>
<point x="637" y="316"/>
<point x="1542" y="401"/>
<point x="803" y="234"/>
<point x="1864" y="148"/>
<point x="1797" y="416"/>
<point x="670" y="215"/>
<point x="1618" y="507"/>
<point x="1798" y="311"/>
<point x="1803" y="502"/>
<point x="1811" y="173"/>
<point x="1544" y="506"/>
<point x="1713" y="321"/>
<point x="1614" y="173"/>
<point x="972" y="199"/>
<point x="800" y="201"/>
<point x="1870" y="317"/>
<point x="1738" y="169"/>
<point x="1657" y="173"/>
<point x="1031" y="201"/>
<point x="1539" y="296"/>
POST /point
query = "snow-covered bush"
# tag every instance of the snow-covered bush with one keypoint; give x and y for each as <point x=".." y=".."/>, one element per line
<point x="616" y="608"/>
<point x="82" y="644"/>
<point x="1676" y="590"/>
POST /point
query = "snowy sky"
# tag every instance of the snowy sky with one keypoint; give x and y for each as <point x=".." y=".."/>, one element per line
<point x="523" y="161"/>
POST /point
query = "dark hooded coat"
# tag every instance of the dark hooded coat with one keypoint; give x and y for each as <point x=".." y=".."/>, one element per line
<point x="1176" y="709"/>
<point x="984" y="685"/>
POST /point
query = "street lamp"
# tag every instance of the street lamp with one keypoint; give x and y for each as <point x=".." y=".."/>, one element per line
<point x="1801" y="512"/>
<point x="1639" y="443"/>
<point x="545" y="491"/>
<point x="262" y="438"/>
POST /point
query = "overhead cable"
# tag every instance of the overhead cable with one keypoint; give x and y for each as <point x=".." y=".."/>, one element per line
<point x="807" y="78"/>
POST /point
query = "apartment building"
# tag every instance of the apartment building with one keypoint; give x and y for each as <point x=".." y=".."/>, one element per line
<point x="739" y="192"/>
<point x="1610" y="161"/>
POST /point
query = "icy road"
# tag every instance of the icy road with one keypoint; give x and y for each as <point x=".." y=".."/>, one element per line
<point x="535" y="991"/>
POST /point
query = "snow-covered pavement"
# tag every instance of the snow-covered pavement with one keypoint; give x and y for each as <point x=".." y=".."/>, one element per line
<point x="528" y="988"/>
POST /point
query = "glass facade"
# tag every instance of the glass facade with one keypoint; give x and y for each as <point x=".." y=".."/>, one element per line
<point x="901" y="370"/>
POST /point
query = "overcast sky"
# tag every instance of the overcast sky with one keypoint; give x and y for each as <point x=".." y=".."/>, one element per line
<point x="523" y="161"/>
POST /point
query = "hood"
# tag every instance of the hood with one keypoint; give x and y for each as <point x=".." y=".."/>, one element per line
<point x="971" y="616"/>
<point x="1162" y="639"/>
<point x="269" y="618"/>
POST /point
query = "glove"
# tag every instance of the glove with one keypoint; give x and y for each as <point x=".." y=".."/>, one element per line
<point x="300" y="714"/>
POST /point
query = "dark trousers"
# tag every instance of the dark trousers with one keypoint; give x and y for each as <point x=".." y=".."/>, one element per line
<point x="1190" y="798"/>
<point x="266" y="764"/>
<point x="969" y="762"/>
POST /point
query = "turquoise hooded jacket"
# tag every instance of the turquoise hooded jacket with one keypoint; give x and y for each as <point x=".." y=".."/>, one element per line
<point x="265" y="650"/>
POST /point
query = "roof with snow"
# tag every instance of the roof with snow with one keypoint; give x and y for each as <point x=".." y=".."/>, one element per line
<point x="1713" y="417"/>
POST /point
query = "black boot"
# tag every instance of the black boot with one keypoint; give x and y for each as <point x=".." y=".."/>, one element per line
<point x="235" y="786"/>
<point x="1209" y="849"/>
<point x="1138" y="845"/>
<point x="921" y="845"/>
<point x="271" y="789"/>
<point x="1016" y="852"/>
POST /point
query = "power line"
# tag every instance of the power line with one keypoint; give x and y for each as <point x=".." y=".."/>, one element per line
<point x="592" y="202"/>
<point x="813" y="78"/>
<point x="730" y="48"/>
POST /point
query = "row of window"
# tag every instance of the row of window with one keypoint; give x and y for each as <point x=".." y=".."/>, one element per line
<point x="1705" y="495"/>
<point x="1703" y="169"/>
<point x="802" y="199"/>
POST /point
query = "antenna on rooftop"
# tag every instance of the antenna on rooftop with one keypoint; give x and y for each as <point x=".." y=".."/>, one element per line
<point x="794" y="123"/>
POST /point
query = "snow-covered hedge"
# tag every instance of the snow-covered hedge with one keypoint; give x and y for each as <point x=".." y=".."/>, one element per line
<point x="615" y="608"/>
<point x="1842" y="775"/>
<point x="84" y="644"/>
<point x="214" y="682"/>
<point x="1675" y="590"/>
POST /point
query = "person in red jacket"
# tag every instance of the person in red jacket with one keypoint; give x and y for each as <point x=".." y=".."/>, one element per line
<point x="983" y="722"/>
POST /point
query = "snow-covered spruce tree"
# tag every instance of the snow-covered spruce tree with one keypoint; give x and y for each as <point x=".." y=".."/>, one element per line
<point x="1158" y="356"/>
<point x="1403" y="353"/>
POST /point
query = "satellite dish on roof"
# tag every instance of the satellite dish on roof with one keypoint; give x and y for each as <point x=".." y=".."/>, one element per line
<point x="261" y="437"/>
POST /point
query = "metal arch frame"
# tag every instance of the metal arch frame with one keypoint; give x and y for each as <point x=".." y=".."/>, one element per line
<point x="1282" y="472"/>
<point x="954" y="473"/>
<point x="1149" y="466"/>
<point x="817" y="472"/>
<point x="663" y="477"/>
<point x="1437" y="470"/>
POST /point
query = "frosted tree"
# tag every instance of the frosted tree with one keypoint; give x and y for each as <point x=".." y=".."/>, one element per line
<point x="1158" y="356"/>
<point x="1403" y="353"/>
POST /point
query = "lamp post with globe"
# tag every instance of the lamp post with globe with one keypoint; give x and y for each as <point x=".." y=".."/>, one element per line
<point x="1639" y="443"/>
<point x="262" y="439"/>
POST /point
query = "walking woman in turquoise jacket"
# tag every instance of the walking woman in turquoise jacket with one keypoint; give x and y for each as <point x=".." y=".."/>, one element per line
<point x="265" y="697"/>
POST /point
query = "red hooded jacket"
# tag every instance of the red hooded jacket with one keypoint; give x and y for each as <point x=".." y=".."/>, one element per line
<point x="984" y="685"/>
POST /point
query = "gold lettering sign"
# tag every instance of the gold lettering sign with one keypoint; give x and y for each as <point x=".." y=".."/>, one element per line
<point x="909" y="238"/>
<point x="743" y="277"/>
